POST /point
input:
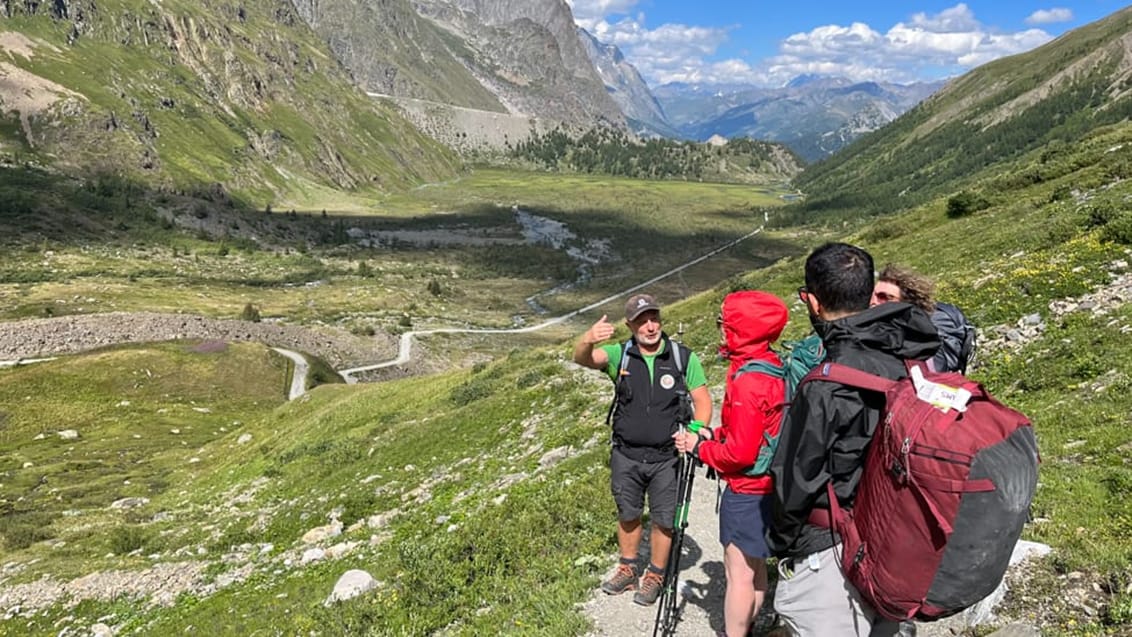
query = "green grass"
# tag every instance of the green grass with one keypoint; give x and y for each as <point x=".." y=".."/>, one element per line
<point x="430" y="453"/>
<point x="142" y="415"/>
<point x="357" y="450"/>
<point x="298" y="268"/>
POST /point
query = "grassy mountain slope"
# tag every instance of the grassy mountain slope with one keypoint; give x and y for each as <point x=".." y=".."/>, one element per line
<point x="1048" y="97"/>
<point x="191" y="94"/>
<point x="478" y="498"/>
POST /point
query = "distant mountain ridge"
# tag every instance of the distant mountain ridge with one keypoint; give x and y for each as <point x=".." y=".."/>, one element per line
<point x="814" y="115"/>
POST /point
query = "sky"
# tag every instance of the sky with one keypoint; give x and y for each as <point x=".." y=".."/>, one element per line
<point x="769" y="43"/>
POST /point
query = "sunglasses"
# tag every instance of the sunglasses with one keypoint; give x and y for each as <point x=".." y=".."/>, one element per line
<point x="803" y="294"/>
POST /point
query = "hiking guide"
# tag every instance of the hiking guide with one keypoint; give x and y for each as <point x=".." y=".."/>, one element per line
<point x="749" y="321"/>
<point x="827" y="435"/>
<point x="654" y="378"/>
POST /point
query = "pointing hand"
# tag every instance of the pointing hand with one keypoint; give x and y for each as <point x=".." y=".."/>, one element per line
<point x="600" y="331"/>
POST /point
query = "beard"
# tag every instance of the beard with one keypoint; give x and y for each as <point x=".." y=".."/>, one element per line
<point x="648" y="340"/>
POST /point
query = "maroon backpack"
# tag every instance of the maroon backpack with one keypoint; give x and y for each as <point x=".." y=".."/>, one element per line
<point x="943" y="497"/>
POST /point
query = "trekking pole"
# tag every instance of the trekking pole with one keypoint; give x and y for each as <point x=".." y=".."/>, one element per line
<point x="667" y="609"/>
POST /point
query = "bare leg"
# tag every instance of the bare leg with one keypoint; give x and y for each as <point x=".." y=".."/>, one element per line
<point x="660" y="540"/>
<point x="746" y="589"/>
<point x="629" y="537"/>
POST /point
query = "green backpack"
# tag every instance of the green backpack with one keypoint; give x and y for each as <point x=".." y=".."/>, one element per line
<point x="798" y="358"/>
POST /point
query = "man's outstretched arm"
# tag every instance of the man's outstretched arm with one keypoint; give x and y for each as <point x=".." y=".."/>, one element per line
<point x="584" y="352"/>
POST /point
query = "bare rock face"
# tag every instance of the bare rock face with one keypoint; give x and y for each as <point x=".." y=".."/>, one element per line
<point x="627" y="88"/>
<point x="521" y="57"/>
<point x="530" y="53"/>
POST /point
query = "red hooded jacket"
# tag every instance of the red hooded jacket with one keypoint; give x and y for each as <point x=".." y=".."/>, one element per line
<point x="752" y="403"/>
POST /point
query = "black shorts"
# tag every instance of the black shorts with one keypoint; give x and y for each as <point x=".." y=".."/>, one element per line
<point x="743" y="519"/>
<point x="631" y="480"/>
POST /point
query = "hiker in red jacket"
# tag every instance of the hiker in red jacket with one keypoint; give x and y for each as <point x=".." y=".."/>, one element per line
<point x="749" y="321"/>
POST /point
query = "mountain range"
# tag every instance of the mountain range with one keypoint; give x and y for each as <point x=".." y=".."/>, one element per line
<point x="814" y="116"/>
<point x="264" y="101"/>
<point x="209" y="93"/>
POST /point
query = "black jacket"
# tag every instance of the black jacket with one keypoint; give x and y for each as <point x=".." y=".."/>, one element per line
<point x="830" y="425"/>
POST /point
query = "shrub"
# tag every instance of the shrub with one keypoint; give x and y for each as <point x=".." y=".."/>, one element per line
<point x="251" y="313"/>
<point x="1100" y="213"/>
<point x="1119" y="230"/>
<point x="965" y="203"/>
<point x="128" y="538"/>
<point x="471" y="391"/>
<point x="21" y="530"/>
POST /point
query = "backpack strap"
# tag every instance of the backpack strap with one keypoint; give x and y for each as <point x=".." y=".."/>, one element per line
<point x="838" y="373"/>
<point x="967" y="351"/>
<point x="617" y="381"/>
<point x="686" y="406"/>
<point x="677" y="356"/>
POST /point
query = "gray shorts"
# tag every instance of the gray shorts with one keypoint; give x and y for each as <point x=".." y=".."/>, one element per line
<point x="631" y="480"/>
<point x="814" y="599"/>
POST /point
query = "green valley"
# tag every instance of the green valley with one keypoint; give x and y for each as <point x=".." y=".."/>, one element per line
<point x="163" y="484"/>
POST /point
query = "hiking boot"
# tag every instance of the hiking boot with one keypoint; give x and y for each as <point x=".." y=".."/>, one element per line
<point x="623" y="579"/>
<point x="651" y="584"/>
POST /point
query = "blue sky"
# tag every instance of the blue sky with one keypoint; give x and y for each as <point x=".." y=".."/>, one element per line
<point x="768" y="43"/>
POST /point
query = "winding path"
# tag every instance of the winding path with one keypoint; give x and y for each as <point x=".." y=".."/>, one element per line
<point x="405" y="349"/>
<point x="299" y="377"/>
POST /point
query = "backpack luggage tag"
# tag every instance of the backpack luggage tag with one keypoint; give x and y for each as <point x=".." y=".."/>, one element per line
<point x="942" y="396"/>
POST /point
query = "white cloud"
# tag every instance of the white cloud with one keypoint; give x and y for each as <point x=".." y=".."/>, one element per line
<point x="595" y="10"/>
<point x="926" y="45"/>
<point x="949" y="42"/>
<point x="957" y="18"/>
<point x="1050" y="16"/>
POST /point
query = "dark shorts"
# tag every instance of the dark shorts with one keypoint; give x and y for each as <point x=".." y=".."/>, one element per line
<point x="631" y="480"/>
<point x="743" y="520"/>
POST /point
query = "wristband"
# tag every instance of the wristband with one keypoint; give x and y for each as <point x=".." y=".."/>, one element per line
<point x="695" y="426"/>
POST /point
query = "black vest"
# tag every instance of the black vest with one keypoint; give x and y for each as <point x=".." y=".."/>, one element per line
<point x="646" y="412"/>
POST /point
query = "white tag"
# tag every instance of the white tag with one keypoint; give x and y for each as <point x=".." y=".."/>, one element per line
<point x="942" y="396"/>
<point x="813" y="561"/>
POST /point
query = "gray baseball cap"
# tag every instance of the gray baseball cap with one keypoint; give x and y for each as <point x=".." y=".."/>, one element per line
<point x="639" y="304"/>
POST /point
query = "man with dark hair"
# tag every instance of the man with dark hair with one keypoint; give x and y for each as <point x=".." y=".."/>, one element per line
<point x="654" y="378"/>
<point x="827" y="435"/>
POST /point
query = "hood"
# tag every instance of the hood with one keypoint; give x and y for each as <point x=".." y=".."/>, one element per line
<point x="752" y="320"/>
<point x="900" y="329"/>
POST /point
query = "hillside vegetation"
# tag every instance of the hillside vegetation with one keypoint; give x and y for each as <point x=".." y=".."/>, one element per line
<point x="198" y="96"/>
<point x="1049" y="98"/>
<point x="611" y="152"/>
